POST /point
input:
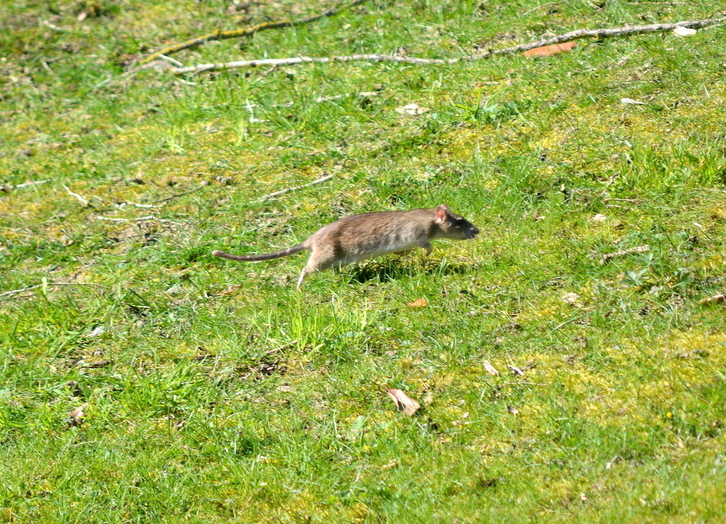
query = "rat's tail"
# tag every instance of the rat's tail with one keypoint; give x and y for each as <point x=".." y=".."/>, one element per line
<point x="267" y="256"/>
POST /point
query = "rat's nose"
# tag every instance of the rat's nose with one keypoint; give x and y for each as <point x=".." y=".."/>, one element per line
<point x="474" y="231"/>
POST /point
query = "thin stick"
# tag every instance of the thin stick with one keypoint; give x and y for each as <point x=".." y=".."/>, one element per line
<point x="9" y="187"/>
<point x="81" y="199"/>
<point x="177" y="195"/>
<point x="283" y="191"/>
<point x="30" y="288"/>
<point x="116" y="219"/>
<point x="278" y="349"/>
<point x="202" y="68"/>
<point x="249" y="31"/>
<point x="602" y="33"/>
<point x="566" y="37"/>
<point x="639" y="249"/>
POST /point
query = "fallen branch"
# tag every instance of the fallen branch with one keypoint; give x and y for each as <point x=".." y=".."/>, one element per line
<point x="602" y="33"/>
<point x="289" y="189"/>
<point x="249" y="31"/>
<point x="566" y="37"/>
<point x="202" y="68"/>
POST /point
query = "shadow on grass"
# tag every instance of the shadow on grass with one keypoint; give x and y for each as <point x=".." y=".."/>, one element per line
<point x="391" y="270"/>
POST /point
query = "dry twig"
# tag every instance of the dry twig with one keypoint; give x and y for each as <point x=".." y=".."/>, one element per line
<point x="240" y="33"/>
<point x="638" y="249"/>
<point x="565" y="37"/>
<point x="8" y="187"/>
<point x="83" y="200"/>
<point x="177" y="195"/>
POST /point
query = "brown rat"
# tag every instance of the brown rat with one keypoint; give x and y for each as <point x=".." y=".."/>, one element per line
<point x="358" y="237"/>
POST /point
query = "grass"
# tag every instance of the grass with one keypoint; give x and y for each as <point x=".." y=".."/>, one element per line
<point x="214" y="392"/>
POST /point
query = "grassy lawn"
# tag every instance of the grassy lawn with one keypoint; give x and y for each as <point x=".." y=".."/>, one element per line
<point x="213" y="391"/>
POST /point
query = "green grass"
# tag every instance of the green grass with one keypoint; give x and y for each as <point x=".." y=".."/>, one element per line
<point x="214" y="392"/>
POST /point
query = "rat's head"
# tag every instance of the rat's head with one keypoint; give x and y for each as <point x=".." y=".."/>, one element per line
<point x="453" y="226"/>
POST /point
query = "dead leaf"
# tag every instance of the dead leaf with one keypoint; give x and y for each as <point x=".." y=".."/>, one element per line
<point x="404" y="403"/>
<point x="550" y="49"/>
<point x="513" y="410"/>
<point x="412" y="109"/>
<point x="684" y="31"/>
<point x="77" y="416"/>
<point x="491" y="369"/>
<point x="713" y="300"/>
<point x="418" y="303"/>
<point x="570" y="298"/>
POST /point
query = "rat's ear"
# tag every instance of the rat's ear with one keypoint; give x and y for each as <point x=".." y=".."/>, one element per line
<point x="441" y="212"/>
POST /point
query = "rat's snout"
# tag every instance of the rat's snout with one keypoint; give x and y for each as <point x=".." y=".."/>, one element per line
<point x="473" y="231"/>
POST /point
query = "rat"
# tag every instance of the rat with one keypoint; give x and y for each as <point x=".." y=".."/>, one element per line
<point x="368" y="235"/>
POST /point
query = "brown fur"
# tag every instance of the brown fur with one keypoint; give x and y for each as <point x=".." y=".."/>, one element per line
<point x="358" y="237"/>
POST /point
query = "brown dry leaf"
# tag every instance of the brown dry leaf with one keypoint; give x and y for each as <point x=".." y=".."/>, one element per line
<point x="490" y="369"/>
<point x="713" y="300"/>
<point x="404" y="403"/>
<point x="77" y="416"/>
<point x="418" y="303"/>
<point x="550" y="49"/>
<point x="513" y="410"/>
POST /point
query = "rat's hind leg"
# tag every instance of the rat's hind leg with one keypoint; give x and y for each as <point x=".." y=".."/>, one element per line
<point x="319" y="260"/>
<point x="302" y="277"/>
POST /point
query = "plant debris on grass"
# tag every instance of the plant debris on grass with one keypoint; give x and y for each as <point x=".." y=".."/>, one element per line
<point x="569" y="361"/>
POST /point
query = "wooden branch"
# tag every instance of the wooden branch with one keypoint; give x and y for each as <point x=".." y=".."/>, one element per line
<point x="202" y="68"/>
<point x="249" y="31"/>
<point x="283" y="191"/>
<point x="572" y="35"/>
<point x="601" y="33"/>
